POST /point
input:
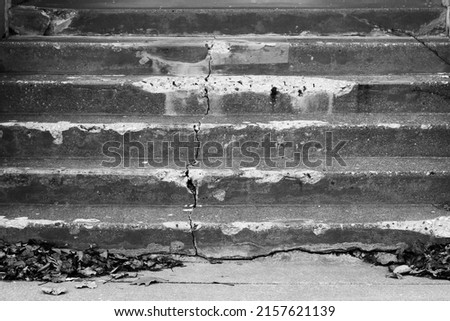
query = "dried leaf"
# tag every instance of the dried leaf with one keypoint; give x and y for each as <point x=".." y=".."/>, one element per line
<point x="123" y="275"/>
<point x="86" y="284"/>
<point x="147" y="280"/>
<point x="53" y="291"/>
<point x="88" y="272"/>
<point x="402" y="269"/>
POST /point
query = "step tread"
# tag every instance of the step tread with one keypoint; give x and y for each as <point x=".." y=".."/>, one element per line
<point x="228" y="3"/>
<point x="405" y="79"/>
<point x="123" y="123"/>
<point x="424" y="166"/>
<point x="135" y="40"/>
<point x="222" y="214"/>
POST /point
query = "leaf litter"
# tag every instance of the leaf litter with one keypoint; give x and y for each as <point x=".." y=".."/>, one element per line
<point x="430" y="260"/>
<point x="41" y="261"/>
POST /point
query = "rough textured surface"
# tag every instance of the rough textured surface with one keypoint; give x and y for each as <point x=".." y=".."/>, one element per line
<point x="179" y="56"/>
<point x="179" y="22"/>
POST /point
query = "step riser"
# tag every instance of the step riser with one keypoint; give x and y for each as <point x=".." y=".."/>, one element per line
<point x="217" y="241"/>
<point x="274" y="57"/>
<point x="179" y="22"/>
<point x="214" y="243"/>
<point x="223" y="187"/>
<point x="117" y="96"/>
<point x="222" y="231"/>
<point x="62" y="140"/>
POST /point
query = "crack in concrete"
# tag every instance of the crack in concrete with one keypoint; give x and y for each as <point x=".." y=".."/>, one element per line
<point x="194" y="239"/>
<point x="210" y="58"/>
<point x="355" y="251"/>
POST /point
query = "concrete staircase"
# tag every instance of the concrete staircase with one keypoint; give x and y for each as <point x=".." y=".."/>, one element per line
<point x="324" y="125"/>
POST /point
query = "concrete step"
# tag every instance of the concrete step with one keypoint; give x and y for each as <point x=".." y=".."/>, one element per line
<point x="231" y="138"/>
<point x="362" y="180"/>
<point x="227" y="95"/>
<point x="141" y="4"/>
<point x="30" y="20"/>
<point x="228" y="231"/>
<point x="221" y="55"/>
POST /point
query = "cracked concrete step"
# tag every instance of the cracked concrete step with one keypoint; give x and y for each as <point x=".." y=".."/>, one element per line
<point x="30" y="20"/>
<point x="227" y="231"/>
<point x="227" y="95"/>
<point x="221" y="55"/>
<point x="363" y="180"/>
<point x="104" y="137"/>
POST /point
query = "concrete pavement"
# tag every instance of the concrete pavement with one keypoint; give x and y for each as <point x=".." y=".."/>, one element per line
<point x="286" y="276"/>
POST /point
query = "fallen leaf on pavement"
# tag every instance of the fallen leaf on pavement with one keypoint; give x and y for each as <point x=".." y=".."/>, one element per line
<point x="147" y="280"/>
<point x="86" y="284"/>
<point x="402" y="269"/>
<point x="53" y="291"/>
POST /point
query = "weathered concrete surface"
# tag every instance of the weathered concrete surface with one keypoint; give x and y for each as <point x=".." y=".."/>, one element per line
<point x="259" y="56"/>
<point x="179" y="22"/>
<point x="232" y="3"/>
<point x="404" y="182"/>
<point x="360" y="135"/>
<point x="245" y="231"/>
<point x="227" y="95"/>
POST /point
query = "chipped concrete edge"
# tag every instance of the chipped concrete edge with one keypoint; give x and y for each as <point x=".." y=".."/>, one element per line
<point x="438" y="227"/>
<point x="56" y="129"/>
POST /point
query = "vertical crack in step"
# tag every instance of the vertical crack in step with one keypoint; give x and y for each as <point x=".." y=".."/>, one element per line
<point x="208" y="105"/>
<point x="190" y="182"/>
<point x="192" y="187"/>
<point x="206" y="94"/>
<point x="194" y="239"/>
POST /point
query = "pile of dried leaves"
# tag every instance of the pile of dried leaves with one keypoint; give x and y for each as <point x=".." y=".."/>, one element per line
<point x="43" y="262"/>
<point x="425" y="260"/>
<point x="431" y="260"/>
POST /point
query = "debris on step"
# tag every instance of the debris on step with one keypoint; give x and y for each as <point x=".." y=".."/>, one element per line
<point x="40" y="261"/>
<point x="148" y="280"/>
<point x="86" y="285"/>
<point x="53" y="291"/>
